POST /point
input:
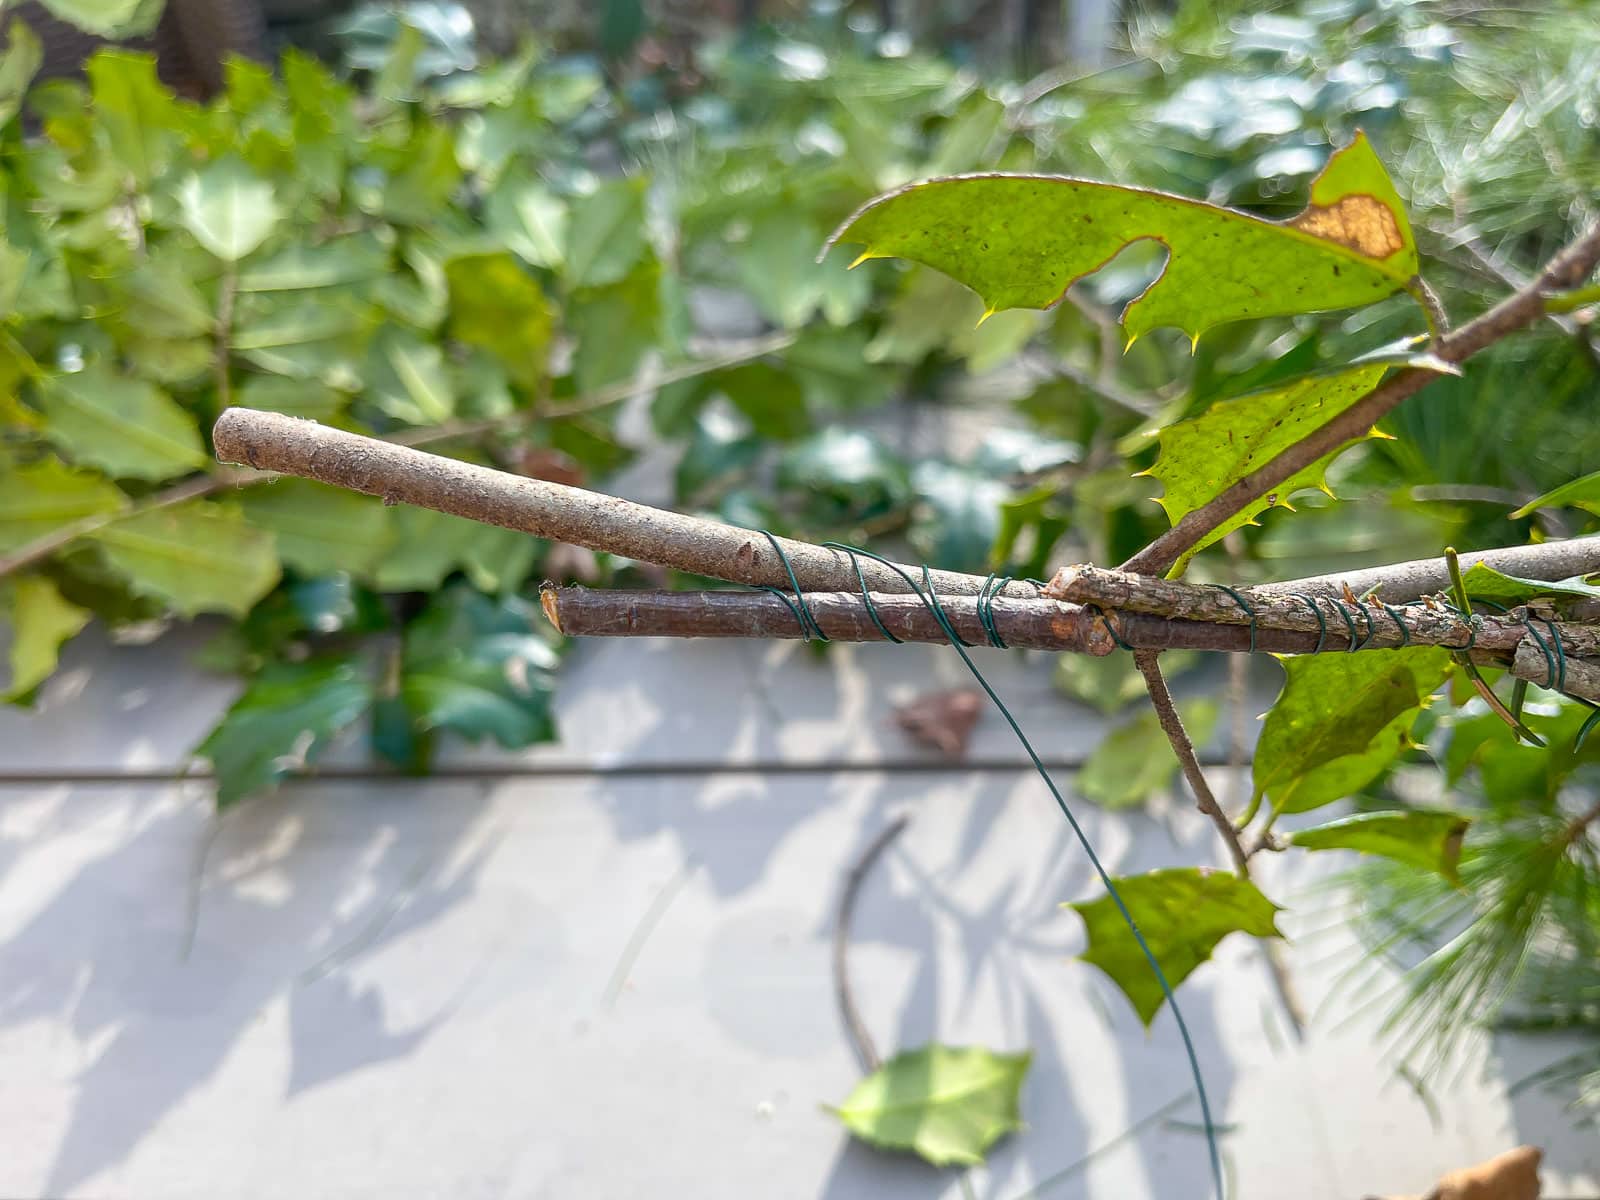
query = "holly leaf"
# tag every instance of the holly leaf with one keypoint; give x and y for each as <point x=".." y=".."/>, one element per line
<point x="946" y="1104"/>
<point x="496" y="304"/>
<point x="1135" y="760"/>
<point x="407" y="379"/>
<point x="474" y="666"/>
<point x="1483" y="582"/>
<point x="194" y="557"/>
<point x="531" y="221"/>
<point x="136" y="110"/>
<point x="1581" y="493"/>
<point x="18" y="65"/>
<point x="127" y="427"/>
<point x="229" y="208"/>
<point x="1340" y="720"/>
<point x="427" y="546"/>
<point x="40" y="622"/>
<point x="356" y="259"/>
<point x="1183" y="912"/>
<point x="1202" y="457"/>
<point x="1020" y="241"/>
<point x="606" y="235"/>
<point x="44" y="496"/>
<point x="108" y="18"/>
<point x="286" y="717"/>
<point x="320" y="530"/>
<point x="1422" y="838"/>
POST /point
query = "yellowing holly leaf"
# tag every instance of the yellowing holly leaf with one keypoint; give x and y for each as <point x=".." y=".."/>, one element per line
<point x="1020" y="241"/>
<point x="948" y="1104"/>
<point x="1183" y="912"/>
<point x="40" y="620"/>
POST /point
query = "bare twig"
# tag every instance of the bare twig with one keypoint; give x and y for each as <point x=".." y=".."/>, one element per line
<point x="219" y="481"/>
<point x="553" y="510"/>
<point x="1566" y="270"/>
<point x="855" y="1026"/>
<point x="1172" y="725"/>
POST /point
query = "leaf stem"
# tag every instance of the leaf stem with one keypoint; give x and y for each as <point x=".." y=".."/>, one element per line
<point x="1565" y="302"/>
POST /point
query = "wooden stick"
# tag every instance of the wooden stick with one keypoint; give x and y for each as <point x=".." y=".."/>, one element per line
<point x="293" y="446"/>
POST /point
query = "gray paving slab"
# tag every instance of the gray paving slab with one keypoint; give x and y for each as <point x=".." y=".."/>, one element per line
<point x="608" y="987"/>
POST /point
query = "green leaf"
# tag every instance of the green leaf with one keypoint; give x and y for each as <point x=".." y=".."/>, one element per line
<point x="126" y="427"/>
<point x="136" y="110"/>
<point x="1134" y="761"/>
<point x="1020" y="241"/>
<point x="160" y="300"/>
<point x="407" y="378"/>
<point x="473" y="665"/>
<point x="957" y="517"/>
<point x="108" y="18"/>
<point x="615" y="327"/>
<point x="294" y="397"/>
<point x="778" y="268"/>
<point x="528" y="218"/>
<point x="427" y="546"/>
<point x="1183" y="912"/>
<point x="1485" y="583"/>
<point x="229" y="209"/>
<point x="496" y="304"/>
<point x="947" y="1104"/>
<point x="286" y="717"/>
<point x="1581" y="493"/>
<point x="1427" y="839"/>
<point x="343" y="260"/>
<point x="40" y="498"/>
<point x="40" y="622"/>
<point x="195" y="557"/>
<point x="606" y="236"/>
<point x="1340" y="720"/>
<point x="18" y="65"/>
<point x="1202" y="457"/>
<point x="320" y="530"/>
<point x="770" y="398"/>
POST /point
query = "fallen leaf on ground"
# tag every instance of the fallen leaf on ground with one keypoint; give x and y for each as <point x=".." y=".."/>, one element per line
<point x="1513" y="1175"/>
<point x="943" y="721"/>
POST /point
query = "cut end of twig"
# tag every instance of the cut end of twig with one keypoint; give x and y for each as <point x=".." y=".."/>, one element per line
<point x="239" y="431"/>
<point x="1063" y="582"/>
<point x="550" y="601"/>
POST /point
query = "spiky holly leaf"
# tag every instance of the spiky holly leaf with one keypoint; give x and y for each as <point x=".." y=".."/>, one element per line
<point x="1429" y="839"/>
<point x="1202" y="457"/>
<point x="285" y="718"/>
<point x="1135" y="760"/>
<point x="947" y="1104"/>
<point x="1020" y="241"/>
<point x="1340" y="720"/>
<point x="126" y="427"/>
<point x="1485" y="583"/>
<point x="1183" y="912"/>
<point x="42" y="497"/>
<point x="195" y="557"/>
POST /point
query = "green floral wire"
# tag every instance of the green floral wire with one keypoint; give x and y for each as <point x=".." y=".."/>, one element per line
<point x="930" y="601"/>
<point x="1322" y="622"/>
<point x="1405" y="633"/>
<point x="1372" y="626"/>
<point x="1349" y="623"/>
<point x="809" y="628"/>
<point x="986" y="597"/>
<point x="1245" y="605"/>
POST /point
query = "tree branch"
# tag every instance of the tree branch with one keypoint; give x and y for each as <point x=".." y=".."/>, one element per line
<point x="552" y="510"/>
<point x="1566" y="270"/>
<point x="205" y="485"/>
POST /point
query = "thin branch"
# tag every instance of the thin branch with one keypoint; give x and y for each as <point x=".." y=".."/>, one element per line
<point x="855" y="1026"/>
<point x="1148" y="662"/>
<point x="1399" y="583"/>
<point x="552" y="510"/>
<point x="1566" y="270"/>
<point x="218" y="481"/>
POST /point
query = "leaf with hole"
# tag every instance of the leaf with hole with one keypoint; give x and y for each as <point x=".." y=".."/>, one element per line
<point x="946" y="1104"/>
<point x="286" y="717"/>
<point x="1020" y="241"/>
<point x="1183" y="913"/>
<point x="1340" y="720"/>
<point x="1427" y="839"/>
